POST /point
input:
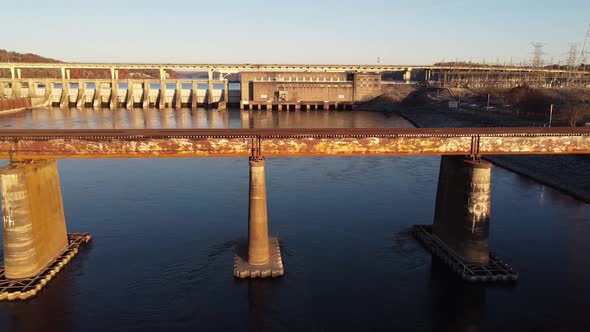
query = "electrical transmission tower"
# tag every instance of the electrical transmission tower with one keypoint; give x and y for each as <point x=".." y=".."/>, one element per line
<point x="538" y="55"/>
<point x="571" y="63"/>
<point x="572" y="56"/>
<point x="575" y="65"/>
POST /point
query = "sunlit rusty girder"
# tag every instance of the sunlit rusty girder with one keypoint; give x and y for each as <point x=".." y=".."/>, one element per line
<point x="159" y="143"/>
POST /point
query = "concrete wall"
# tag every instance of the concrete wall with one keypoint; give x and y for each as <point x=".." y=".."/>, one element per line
<point x="309" y="86"/>
<point x="366" y="86"/>
<point x="315" y="88"/>
<point x="302" y="91"/>
<point x="17" y="104"/>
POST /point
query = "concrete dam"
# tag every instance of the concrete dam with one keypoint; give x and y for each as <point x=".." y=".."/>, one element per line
<point x="279" y="87"/>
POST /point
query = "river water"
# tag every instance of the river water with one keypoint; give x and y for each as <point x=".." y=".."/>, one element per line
<point x="161" y="257"/>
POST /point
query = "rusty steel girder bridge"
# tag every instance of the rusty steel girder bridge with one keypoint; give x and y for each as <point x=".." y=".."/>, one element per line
<point x="36" y="243"/>
<point x="190" y="143"/>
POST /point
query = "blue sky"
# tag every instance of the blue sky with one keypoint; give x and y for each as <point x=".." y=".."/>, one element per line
<point x="296" y="31"/>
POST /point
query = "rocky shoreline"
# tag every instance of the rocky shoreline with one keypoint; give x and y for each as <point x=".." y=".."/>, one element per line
<point x="567" y="173"/>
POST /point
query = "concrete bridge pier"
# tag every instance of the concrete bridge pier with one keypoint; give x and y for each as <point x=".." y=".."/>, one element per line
<point x="32" y="89"/>
<point x="210" y="88"/>
<point x="129" y="98"/>
<point x="33" y="217"/>
<point x="408" y="75"/>
<point x="194" y="95"/>
<point x="178" y="95"/>
<point x="263" y="256"/>
<point x="48" y="90"/>
<point x="145" y="100"/>
<point x="427" y="75"/>
<point x="16" y="88"/>
<point x="81" y="98"/>
<point x="258" y="248"/>
<point x="64" y="100"/>
<point x="114" y="103"/>
<point x="226" y="91"/>
<point x="462" y="214"/>
<point x="97" y="99"/>
<point x="162" y="95"/>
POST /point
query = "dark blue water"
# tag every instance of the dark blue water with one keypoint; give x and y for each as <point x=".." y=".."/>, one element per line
<point x="161" y="257"/>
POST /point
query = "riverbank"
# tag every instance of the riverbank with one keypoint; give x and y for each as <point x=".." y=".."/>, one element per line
<point x="569" y="174"/>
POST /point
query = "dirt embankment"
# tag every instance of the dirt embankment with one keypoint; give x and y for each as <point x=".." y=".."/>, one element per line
<point x="571" y="107"/>
<point x="429" y="108"/>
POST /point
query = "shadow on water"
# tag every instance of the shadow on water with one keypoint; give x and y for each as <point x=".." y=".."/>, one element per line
<point x="456" y="305"/>
<point x="408" y="250"/>
<point x="267" y="306"/>
<point x="54" y="308"/>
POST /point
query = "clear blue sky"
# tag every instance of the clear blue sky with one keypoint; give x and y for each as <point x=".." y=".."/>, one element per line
<point x="296" y="31"/>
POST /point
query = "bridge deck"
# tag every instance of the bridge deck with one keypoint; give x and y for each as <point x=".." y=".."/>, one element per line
<point x="145" y="143"/>
<point x="235" y="68"/>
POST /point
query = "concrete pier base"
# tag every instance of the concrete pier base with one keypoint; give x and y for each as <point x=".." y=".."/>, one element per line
<point x="494" y="271"/>
<point x="22" y="289"/>
<point x="33" y="217"/>
<point x="263" y="257"/>
<point x="463" y="203"/>
<point x="272" y="269"/>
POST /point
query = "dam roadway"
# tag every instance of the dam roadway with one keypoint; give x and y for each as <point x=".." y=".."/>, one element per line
<point x="158" y="143"/>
